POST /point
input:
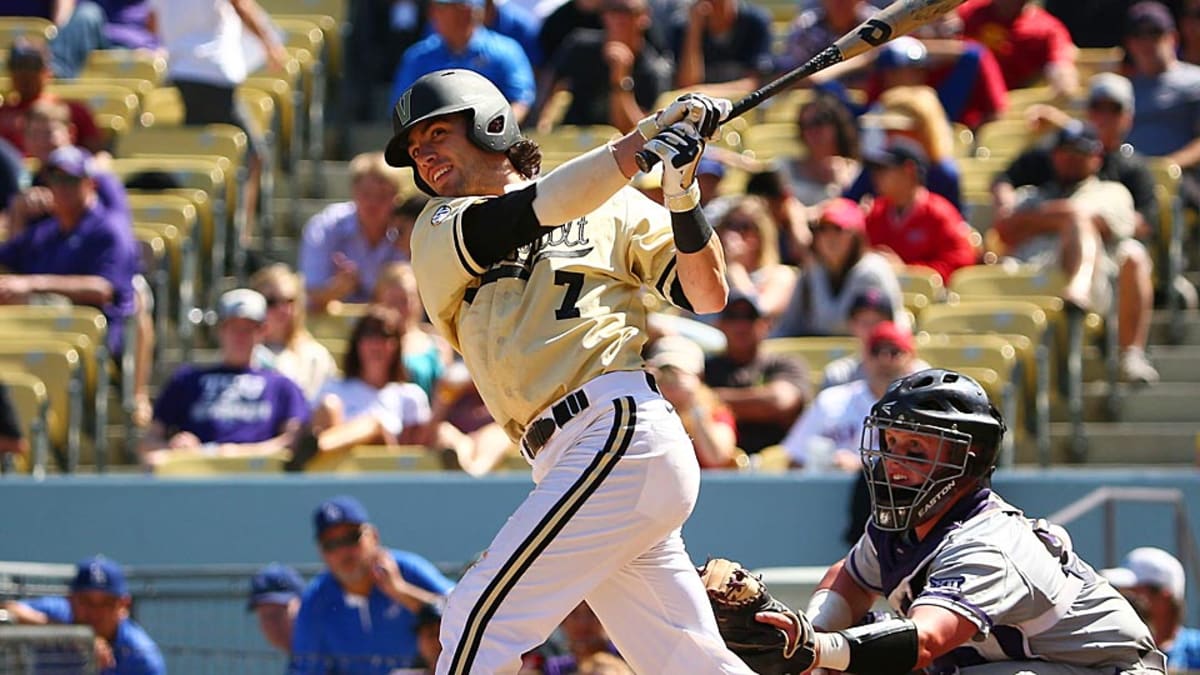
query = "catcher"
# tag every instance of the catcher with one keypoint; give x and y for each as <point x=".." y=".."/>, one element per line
<point x="981" y="589"/>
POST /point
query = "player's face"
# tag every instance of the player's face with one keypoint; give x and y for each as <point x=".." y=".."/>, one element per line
<point x="445" y="157"/>
<point x="344" y="549"/>
<point x="102" y="611"/>
<point x="910" y="456"/>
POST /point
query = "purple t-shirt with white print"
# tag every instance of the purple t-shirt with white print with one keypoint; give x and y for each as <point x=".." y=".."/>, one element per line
<point x="222" y="404"/>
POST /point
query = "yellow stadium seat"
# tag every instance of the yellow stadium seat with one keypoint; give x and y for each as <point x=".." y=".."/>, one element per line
<point x="330" y="15"/>
<point x="336" y="345"/>
<point x="785" y="108"/>
<point x="338" y="322"/>
<point x="921" y="280"/>
<point x="1020" y="99"/>
<point x="1004" y="139"/>
<point x="768" y="141"/>
<point x="32" y="403"/>
<point x="771" y="459"/>
<point x="1009" y="318"/>
<point x="554" y="109"/>
<point x="964" y="140"/>
<point x="818" y="352"/>
<point x="178" y="212"/>
<point x="993" y="352"/>
<point x="1089" y="61"/>
<point x="160" y="252"/>
<point x="571" y="138"/>
<point x="59" y="366"/>
<point x="140" y="64"/>
<point x="189" y="464"/>
<point x="12" y="27"/>
<point x="371" y="458"/>
<point x="194" y="173"/>
<point x="977" y="173"/>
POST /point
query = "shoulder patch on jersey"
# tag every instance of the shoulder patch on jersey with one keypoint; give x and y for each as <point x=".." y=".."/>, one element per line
<point x="441" y="214"/>
<point x="951" y="583"/>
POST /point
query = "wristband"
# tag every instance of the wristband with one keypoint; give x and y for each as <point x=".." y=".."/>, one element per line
<point x="833" y="651"/>
<point x="648" y="127"/>
<point x="685" y="201"/>
<point x="691" y="228"/>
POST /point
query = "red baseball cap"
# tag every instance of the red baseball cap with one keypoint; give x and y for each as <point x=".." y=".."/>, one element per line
<point x="845" y="214"/>
<point x="887" y="332"/>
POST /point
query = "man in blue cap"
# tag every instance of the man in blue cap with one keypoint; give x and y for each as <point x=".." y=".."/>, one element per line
<point x="359" y="617"/>
<point x="98" y="598"/>
<point x="460" y="40"/>
<point x="275" y="600"/>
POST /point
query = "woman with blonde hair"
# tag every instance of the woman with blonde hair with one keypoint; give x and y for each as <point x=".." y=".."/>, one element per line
<point x="426" y="354"/>
<point x="751" y="242"/>
<point x="288" y="347"/>
<point x="913" y="112"/>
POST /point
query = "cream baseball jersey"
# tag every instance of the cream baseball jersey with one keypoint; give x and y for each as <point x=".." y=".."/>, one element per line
<point x="551" y="315"/>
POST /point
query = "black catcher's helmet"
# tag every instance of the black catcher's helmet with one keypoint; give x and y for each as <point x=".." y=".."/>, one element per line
<point x="952" y="442"/>
<point x="491" y="123"/>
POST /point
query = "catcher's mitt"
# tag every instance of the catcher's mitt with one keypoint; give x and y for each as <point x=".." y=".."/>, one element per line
<point x="737" y="595"/>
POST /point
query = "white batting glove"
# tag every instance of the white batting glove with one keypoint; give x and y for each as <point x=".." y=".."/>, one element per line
<point x="679" y="146"/>
<point x="705" y="112"/>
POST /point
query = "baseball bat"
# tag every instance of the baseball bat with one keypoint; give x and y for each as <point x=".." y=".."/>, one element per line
<point x="899" y="18"/>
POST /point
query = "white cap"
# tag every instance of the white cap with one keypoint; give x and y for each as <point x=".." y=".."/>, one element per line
<point x="242" y="303"/>
<point x="1149" y="566"/>
<point x="676" y="351"/>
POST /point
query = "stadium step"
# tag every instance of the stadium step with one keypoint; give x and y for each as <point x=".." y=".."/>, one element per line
<point x="1178" y="363"/>
<point x="1160" y="328"/>
<point x="1161" y="402"/>
<point x="1132" y="442"/>
<point x="369" y="138"/>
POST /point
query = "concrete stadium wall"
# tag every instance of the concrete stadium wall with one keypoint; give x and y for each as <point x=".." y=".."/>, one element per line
<point x="761" y="520"/>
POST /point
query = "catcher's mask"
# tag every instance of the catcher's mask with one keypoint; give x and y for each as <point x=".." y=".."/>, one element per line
<point x="932" y="436"/>
<point x="491" y="123"/>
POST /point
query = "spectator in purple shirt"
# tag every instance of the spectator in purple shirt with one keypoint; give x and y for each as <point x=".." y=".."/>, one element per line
<point x="346" y="244"/>
<point x="230" y="409"/>
<point x="82" y="251"/>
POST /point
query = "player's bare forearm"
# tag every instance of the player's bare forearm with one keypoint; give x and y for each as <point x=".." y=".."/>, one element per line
<point x="842" y="583"/>
<point x="764" y="403"/>
<point x="702" y="276"/>
<point x="24" y="614"/>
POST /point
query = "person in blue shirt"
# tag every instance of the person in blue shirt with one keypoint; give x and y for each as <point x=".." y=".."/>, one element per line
<point x="359" y="617"/>
<point x="275" y="600"/>
<point x="460" y="40"/>
<point x="99" y="598"/>
<point x="1155" y="582"/>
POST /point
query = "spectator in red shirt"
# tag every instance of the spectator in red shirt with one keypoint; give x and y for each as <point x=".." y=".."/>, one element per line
<point x="909" y="224"/>
<point x="1027" y="40"/>
<point x="964" y="73"/>
<point x="29" y="71"/>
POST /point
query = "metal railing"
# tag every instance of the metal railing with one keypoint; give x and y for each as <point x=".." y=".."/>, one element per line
<point x="46" y="650"/>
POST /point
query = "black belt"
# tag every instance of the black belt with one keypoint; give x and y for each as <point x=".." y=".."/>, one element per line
<point x="538" y="433"/>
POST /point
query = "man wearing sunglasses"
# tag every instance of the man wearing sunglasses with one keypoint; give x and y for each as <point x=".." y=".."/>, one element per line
<point x="359" y="617"/>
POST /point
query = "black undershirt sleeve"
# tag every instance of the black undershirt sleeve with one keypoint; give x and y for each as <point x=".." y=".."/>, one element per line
<point x="493" y="228"/>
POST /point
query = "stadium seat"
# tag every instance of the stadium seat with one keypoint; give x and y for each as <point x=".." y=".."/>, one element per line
<point x="196" y="173"/>
<point x="12" y="27"/>
<point x="921" y="287"/>
<point x="1004" y="139"/>
<point x="190" y="464"/>
<point x="32" y="405"/>
<point x="769" y="141"/>
<point x="283" y="89"/>
<point x="977" y="173"/>
<point x="1170" y="233"/>
<point x="372" y="458"/>
<point x="59" y="366"/>
<point x="306" y="43"/>
<point x="992" y="352"/>
<point x="180" y="213"/>
<point x="1089" y="61"/>
<point x="108" y="103"/>
<point x="1020" y="99"/>
<point x="771" y="459"/>
<point x="785" y="108"/>
<point x="329" y="15"/>
<point x="85" y="329"/>
<point x="554" y="109"/>
<point x="818" y="352"/>
<point x="161" y="248"/>
<point x="338" y="322"/>
<point x="574" y="139"/>
<point x="1009" y="318"/>
<point x="138" y="64"/>
<point x="336" y="346"/>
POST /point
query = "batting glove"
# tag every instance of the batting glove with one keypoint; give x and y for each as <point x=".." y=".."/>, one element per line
<point x="705" y="112"/>
<point x="679" y="146"/>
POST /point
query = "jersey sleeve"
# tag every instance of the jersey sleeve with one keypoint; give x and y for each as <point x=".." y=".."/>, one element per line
<point x="441" y="262"/>
<point x="56" y="609"/>
<point x="306" y="649"/>
<point x="650" y="245"/>
<point x="421" y="572"/>
<point x="976" y="581"/>
<point x="862" y="564"/>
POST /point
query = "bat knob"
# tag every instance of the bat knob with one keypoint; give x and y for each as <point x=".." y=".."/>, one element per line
<point x="646" y="160"/>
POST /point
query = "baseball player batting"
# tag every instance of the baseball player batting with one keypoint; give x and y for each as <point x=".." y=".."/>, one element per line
<point x="538" y="285"/>
<point x="982" y="590"/>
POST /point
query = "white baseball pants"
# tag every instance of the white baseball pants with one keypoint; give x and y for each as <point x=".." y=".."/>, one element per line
<point x="614" y="486"/>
